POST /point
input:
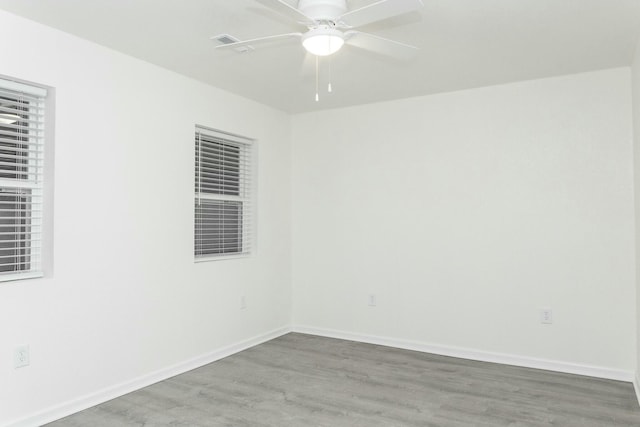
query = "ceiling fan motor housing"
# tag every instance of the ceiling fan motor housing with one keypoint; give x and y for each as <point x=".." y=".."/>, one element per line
<point x="323" y="10"/>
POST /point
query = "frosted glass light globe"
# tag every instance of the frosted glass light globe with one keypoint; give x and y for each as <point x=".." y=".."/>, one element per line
<point x="323" y="41"/>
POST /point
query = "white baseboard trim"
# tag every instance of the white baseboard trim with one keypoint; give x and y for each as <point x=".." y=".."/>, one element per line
<point x="636" y="386"/>
<point x="482" y="356"/>
<point x="101" y="396"/>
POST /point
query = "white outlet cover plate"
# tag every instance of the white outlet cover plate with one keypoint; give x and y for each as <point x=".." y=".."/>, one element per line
<point x="546" y="316"/>
<point x="21" y="356"/>
<point x="372" y="300"/>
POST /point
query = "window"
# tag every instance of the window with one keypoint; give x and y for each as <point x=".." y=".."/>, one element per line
<point x="21" y="179"/>
<point x="223" y="211"/>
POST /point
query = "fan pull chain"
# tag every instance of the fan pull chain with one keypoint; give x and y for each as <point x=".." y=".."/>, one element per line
<point x="329" y="88"/>
<point x="317" y="92"/>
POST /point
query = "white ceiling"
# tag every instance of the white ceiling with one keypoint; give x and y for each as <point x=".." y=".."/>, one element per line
<point x="463" y="44"/>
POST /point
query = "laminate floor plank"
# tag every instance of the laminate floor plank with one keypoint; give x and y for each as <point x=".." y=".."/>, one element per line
<point x="301" y="380"/>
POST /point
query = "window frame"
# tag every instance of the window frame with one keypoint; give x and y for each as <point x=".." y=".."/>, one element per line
<point x="30" y="176"/>
<point x="245" y="192"/>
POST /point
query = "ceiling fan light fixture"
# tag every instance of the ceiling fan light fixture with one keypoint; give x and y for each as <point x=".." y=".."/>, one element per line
<point x="323" y="41"/>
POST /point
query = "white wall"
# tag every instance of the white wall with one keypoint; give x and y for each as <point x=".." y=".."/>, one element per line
<point x="635" y="75"/>
<point x="467" y="212"/>
<point x="126" y="298"/>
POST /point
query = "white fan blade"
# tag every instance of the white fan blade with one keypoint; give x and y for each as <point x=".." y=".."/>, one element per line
<point x="285" y="8"/>
<point x="380" y="45"/>
<point x="257" y="40"/>
<point x="378" y="11"/>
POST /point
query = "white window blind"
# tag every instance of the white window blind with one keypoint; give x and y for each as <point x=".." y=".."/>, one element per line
<point x="223" y="190"/>
<point x="22" y="109"/>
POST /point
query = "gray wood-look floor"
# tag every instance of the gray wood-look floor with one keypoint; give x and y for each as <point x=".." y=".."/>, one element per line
<point x="301" y="380"/>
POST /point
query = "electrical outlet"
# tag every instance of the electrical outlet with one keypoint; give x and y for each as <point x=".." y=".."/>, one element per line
<point x="373" y="301"/>
<point x="546" y="316"/>
<point x="21" y="356"/>
<point x="243" y="302"/>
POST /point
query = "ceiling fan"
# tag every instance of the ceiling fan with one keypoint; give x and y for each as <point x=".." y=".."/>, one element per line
<point x="330" y="25"/>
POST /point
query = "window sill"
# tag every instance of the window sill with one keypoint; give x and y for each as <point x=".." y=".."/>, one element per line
<point x="20" y="276"/>
<point x="220" y="257"/>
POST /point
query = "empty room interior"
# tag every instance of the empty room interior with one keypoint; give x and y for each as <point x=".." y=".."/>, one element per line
<point x="319" y="213"/>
